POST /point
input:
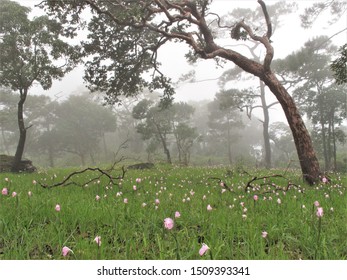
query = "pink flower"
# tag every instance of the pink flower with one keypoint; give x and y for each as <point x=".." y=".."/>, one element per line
<point x="168" y="223"/>
<point x="316" y="203"/>
<point x="177" y="214"/>
<point x="97" y="240"/>
<point x="134" y="188"/>
<point x="209" y="208"/>
<point x="264" y="234"/>
<point x="14" y="194"/>
<point x="57" y="208"/>
<point x="4" y="191"/>
<point x="138" y="180"/>
<point x="97" y="197"/>
<point x="203" y="249"/>
<point x="319" y="212"/>
<point x="157" y="201"/>
<point x="125" y="200"/>
<point x="65" y="251"/>
<point x="324" y="179"/>
<point x="255" y="197"/>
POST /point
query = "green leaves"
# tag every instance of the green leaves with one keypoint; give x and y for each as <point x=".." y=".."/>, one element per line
<point x="32" y="50"/>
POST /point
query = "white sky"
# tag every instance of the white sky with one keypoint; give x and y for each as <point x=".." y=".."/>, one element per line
<point x="290" y="37"/>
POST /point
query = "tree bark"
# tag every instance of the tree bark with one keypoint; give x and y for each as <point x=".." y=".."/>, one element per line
<point x="22" y="131"/>
<point x="307" y="156"/>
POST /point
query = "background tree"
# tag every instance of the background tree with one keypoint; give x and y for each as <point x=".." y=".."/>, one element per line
<point x="31" y="51"/>
<point x="80" y="126"/>
<point x="125" y="37"/>
<point x="155" y="125"/>
<point x="185" y="135"/>
<point x="8" y="104"/>
<point x="336" y="10"/>
<point x="339" y="66"/>
<point x="225" y="121"/>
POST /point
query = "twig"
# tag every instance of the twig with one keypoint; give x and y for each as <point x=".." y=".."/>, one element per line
<point x="68" y="180"/>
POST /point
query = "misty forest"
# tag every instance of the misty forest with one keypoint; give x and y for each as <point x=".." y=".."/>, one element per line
<point x="136" y="152"/>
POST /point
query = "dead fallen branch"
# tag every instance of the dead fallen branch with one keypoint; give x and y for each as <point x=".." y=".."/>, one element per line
<point x="250" y="184"/>
<point x="101" y="173"/>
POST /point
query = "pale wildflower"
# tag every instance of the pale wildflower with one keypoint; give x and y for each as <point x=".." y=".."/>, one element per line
<point x="125" y="200"/>
<point x="203" y="249"/>
<point x="65" y="251"/>
<point x="255" y="197"/>
<point x="4" y="191"/>
<point x="168" y="223"/>
<point x="264" y="234"/>
<point x="209" y="207"/>
<point x="177" y="214"/>
<point x="97" y="197"/>
<point x="279" y="201"/>
<point x="57" y="208"/>
<point x="134" y="188"/>
<point x="14" y="194"/>
<point x="316" y="203"/>
<point x="319" y="212"/>
<point x="138" y="180"/>
<point x="97" y="240"/>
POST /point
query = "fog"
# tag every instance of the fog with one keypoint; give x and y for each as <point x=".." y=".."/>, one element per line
<point x="208" y="134"/>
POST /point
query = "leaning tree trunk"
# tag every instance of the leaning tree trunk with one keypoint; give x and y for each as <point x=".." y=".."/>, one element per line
<point x="307" y="156"/>
<point x="22" y="132"/>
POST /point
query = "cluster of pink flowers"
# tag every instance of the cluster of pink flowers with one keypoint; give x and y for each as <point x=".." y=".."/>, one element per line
<point x="4" y="191"/>
<point x="319" y="212"/>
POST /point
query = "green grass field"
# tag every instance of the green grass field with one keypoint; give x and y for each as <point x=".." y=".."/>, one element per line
<point x="130" y="220"/>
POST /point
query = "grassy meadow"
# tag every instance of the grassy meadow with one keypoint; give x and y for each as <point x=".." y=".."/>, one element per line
<point x="264" y="221"/>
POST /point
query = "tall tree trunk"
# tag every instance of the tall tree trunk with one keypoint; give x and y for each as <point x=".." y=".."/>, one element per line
<point x="307" y="156"/>
<point x="266" y="136"/>
<point x="22" y="131"/>
<point x="229" y="143"/>
<point x="163" y="141"/>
